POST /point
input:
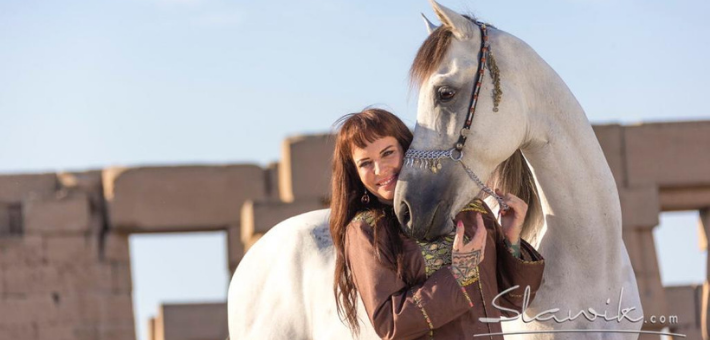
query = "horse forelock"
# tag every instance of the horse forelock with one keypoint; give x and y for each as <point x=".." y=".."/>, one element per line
<point x="431" y="54"/>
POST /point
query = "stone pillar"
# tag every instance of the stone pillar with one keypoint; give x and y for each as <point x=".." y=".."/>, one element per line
<point x="640" y="208"/>
<point x="305" y="167"/>
<point x="705" y="307"/>
<point x="684" y="303"/>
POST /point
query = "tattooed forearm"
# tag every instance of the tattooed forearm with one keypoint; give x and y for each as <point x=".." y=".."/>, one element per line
<point x="514" y="249"/>
<point x="465" y="267"/>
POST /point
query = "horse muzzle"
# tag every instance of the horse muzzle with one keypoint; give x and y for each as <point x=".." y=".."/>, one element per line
<point x="422" y="213"/>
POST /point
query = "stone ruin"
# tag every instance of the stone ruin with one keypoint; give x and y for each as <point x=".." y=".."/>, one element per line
<point x="64" y="254"/>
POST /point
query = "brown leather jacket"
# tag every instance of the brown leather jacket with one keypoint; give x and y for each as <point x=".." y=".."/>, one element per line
<point x="435" y="306"/>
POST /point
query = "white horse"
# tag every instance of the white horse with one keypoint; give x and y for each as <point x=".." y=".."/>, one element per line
<point x="283" y="287"/>
<point x="587" y="265"/>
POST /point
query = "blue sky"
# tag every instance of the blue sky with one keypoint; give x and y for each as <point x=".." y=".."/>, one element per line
<point x="91" y="84"/>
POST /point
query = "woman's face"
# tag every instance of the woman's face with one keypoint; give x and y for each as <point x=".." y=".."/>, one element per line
<point x="378" y="166"/>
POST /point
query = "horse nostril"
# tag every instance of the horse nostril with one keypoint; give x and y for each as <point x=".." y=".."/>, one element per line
<point x="404" y="216"/>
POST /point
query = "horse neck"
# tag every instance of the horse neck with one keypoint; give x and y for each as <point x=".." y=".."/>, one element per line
<point x="578" y="193"/>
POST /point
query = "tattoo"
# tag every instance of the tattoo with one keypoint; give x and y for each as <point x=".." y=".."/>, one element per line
<point x="514" y="249"/>
<point x="464" y="266"/>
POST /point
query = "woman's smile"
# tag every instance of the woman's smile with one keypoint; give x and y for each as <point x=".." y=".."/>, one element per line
<point x="389" y="182"/>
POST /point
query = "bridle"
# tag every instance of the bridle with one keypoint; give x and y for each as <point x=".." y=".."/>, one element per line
<point x="432" y="158"/>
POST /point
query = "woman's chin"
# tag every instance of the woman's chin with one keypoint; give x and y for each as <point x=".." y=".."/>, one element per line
<point x="386" y="195"/>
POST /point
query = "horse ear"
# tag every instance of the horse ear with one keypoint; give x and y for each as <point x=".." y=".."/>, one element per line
<point x="460" y="26"/>
<point x="430" y="27"/>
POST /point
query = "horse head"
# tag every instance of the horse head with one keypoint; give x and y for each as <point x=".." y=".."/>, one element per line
<point x="432" y="189"/>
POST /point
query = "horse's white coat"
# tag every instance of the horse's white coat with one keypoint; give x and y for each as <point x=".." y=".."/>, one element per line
<point x="283" y="287"/>
<point x="586" y="260"/>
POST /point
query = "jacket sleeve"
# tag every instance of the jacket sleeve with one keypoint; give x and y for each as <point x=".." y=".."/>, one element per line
<point x="523" y="272"/>
<point x="398" y="311"/>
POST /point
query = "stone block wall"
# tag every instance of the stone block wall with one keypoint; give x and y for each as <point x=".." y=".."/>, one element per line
<point x="199" y="321"/>
<point x="685" y="303"/>
<point x="658" y="167"/>
<point x="63" y="275"/>
<point x="305" y="168"/>
<point x="64" y="254"/>
<point x="181" y="198"/>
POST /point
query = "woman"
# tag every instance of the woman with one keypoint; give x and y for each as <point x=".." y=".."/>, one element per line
<point x="415" y="289"/>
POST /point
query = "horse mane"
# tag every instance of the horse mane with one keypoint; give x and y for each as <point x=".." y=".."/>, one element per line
<point x="512" y="175"/>
<point x="431" y="53"/>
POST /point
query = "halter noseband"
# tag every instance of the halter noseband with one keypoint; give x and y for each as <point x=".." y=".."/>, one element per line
<point x="432" y="158"/>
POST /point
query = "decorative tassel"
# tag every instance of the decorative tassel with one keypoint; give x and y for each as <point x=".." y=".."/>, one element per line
<point x="495" y="73"/>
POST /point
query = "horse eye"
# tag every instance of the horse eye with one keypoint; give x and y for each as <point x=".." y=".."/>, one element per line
<point x="446" y="93"/>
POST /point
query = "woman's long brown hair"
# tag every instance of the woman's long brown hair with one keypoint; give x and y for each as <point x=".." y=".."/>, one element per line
<point x="358" y="130"/>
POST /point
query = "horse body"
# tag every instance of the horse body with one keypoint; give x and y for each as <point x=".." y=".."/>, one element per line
<point x="587" y="261"/>
<point x="587" y="264"/>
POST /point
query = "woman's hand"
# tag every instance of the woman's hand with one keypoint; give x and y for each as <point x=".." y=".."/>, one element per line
<point x="466" y="257"/>
<point x="512" y="219"/>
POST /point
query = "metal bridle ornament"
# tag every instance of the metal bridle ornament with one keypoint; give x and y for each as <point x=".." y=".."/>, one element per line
<point x="431" y="159"/>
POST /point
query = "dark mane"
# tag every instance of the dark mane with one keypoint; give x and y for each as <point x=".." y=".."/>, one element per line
<point x="431" y="53"/>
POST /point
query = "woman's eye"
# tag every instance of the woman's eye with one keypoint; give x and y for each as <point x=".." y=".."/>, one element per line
<point x="387" y="153"/>
<point x="446" y="93"/>
<point x="364" y="164"/>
